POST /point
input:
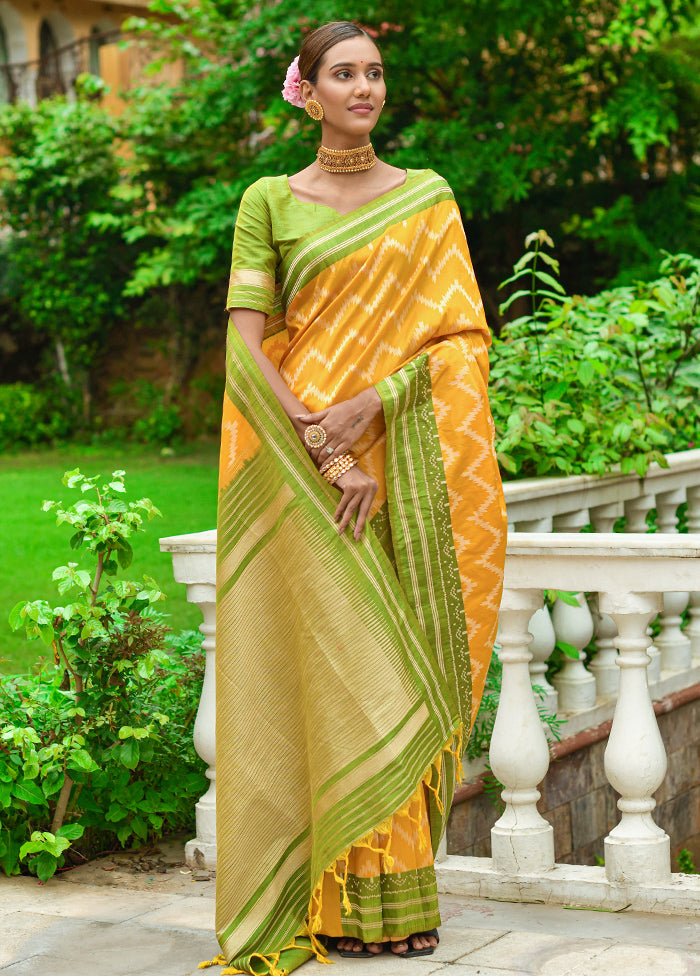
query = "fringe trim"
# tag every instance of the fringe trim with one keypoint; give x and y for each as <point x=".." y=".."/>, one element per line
<point x="270" y="963"/>
<point x="454" y="747"/>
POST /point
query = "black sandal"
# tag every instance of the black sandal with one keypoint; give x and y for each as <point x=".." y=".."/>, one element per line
<point x="412" y="953"/>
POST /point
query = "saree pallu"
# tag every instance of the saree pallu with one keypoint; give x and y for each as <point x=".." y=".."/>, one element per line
<point x="349" y="673"/>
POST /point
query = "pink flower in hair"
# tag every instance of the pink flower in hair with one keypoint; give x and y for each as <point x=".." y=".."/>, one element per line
<point x="290" y="92"/>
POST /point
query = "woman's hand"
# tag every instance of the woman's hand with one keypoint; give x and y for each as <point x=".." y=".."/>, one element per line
<point x="344" y="424"/>
<point x="358" y="494"/>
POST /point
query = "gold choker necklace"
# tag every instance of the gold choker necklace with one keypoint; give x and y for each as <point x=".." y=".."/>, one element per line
<point x="346" y="160"/>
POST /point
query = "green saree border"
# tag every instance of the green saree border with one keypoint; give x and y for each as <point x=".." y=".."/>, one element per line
<point x="421" y="532"/>
<point x="422" y="190"/>
<point x="368" y="569"/>
<point x="391" y="905"/>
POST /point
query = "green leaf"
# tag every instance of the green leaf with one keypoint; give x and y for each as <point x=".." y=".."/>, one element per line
<point x="80" y="759"/>
<point x="125" y="555"/>
<point x="45" y="866"/>
<point x="585" y="372"/>
<point x="16" y="615"/>
<point x="567" y="597"/>
<point x="129" y="754"/>
<point x="124" y="832"/>
<point x="72" y="831"/>
<point x="29" y="791"/>
<point x="9" y="852"/>
<point x="521" y="293"/>
<point x="568" y="649"/>
<point x="549" y="280"/>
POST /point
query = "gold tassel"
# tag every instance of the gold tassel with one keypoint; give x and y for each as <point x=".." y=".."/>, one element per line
<point x="343" y="881"/>
<point x="217" y="961"/>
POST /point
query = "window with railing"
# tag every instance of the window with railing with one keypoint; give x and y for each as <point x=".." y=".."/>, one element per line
<point x="49" y="79"/>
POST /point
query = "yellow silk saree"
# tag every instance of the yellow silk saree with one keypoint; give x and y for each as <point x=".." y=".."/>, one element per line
<point x="349" y="673"/>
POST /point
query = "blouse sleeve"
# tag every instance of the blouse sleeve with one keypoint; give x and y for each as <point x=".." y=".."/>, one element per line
<point x="254" y="259"/>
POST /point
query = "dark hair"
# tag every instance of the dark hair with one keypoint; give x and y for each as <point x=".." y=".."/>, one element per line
<point x="323" y="39"/>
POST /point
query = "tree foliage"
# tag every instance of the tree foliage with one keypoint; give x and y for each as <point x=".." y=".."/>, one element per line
<point x="513" y="103"/>
<point x="66" y="274"/>
<point x="584" y="385"/>
<point x="582" y="110"/>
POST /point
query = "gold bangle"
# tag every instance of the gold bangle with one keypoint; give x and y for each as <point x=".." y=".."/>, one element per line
<point x="338" y="467"/>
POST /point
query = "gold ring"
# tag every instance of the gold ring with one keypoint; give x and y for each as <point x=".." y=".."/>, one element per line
<point x="315" y="436"/>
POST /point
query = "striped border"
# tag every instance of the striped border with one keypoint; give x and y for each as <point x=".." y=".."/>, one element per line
<point x="419" y="510"/>
<point x="320" y="250"/>
<point x="352" y="817"/>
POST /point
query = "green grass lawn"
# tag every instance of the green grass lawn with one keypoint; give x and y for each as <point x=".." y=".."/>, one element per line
<point x="182" y="486"/>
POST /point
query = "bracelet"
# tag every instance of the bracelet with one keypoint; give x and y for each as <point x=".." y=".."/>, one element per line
<point x="338" y="466"/>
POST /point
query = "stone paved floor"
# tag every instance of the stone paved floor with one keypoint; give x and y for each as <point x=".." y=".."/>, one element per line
<point x="72" y="928"/>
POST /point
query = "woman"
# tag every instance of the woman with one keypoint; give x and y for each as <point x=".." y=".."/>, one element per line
<point x="361" y="537"/>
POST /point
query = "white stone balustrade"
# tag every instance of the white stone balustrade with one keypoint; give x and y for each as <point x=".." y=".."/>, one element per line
<point x="571" y="504"/>
<point x="194" y="564"/>
<point x="625" y="571"/>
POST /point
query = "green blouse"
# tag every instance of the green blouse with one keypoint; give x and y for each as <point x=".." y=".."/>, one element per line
<point x="270" y="223"/>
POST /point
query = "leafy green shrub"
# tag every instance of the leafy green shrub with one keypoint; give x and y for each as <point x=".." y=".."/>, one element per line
<point x="686" y="865"/>
<point x="161" y="425"/>
<point x="66" y="260"/>
<point x="99" y="747"/>
<point x="27" y="418"/>
<point x="587" y="384"/>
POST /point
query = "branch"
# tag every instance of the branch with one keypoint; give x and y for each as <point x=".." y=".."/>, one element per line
<point x="60" y="811"/>
<point x="98" y="576"/>
<point x="642" y="377"/>
<point x="62" y="652"/>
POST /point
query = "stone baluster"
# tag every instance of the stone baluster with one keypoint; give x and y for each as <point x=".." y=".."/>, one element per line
<point x="692" y="630"/>
<point x="541" y="646"/>
<point x="667" y="503"/>
<point x="637" y="850"/>
<point x="543" y="524"/>
<point x="574" y="625"/>
<point x="521" y="841"/>
<point x="200" y="852"/>
<point x="194" y="563"/>
<point x="604" y="666"/>
<point x="672" y="643"/>
<point x="604" y="517"/>
<point x="636" y="511"/>
<point x="571" y="521"/>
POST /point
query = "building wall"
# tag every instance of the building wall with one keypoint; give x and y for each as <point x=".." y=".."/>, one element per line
<point x="70" y="21"/>
<point x="581" y="805"/>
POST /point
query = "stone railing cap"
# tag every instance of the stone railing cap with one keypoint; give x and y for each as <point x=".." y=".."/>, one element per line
<point x="190" y="542"/>
<point x="609" y="544"/>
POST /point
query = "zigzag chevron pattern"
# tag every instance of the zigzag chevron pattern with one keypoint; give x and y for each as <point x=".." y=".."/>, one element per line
<point x="410" y="291"/>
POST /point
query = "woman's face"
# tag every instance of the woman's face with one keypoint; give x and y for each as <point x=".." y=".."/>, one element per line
<point x="350" y="87"/>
